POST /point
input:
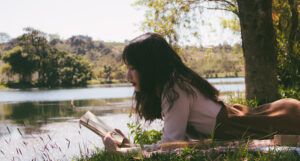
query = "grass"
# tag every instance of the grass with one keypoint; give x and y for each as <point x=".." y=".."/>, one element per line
<point x="289" y="92"/>
<point x="191" y="154"/>
<point x="240" y="99"/>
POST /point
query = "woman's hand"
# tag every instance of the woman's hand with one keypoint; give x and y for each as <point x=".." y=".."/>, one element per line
<point x="111" y="144"/>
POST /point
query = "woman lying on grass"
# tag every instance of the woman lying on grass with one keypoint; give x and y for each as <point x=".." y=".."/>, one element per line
<point x="165" y="88"/>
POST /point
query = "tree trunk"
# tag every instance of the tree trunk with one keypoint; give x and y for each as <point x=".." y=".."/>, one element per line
<point x="258" y="42"/>
<point x="294" y="26"/>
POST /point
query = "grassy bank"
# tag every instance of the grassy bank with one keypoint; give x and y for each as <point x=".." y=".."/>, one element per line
<point x="191" y="154"/>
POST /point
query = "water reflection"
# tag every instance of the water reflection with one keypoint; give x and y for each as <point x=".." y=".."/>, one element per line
<point x="37" y="113"/>
<point x="32" y="112"/>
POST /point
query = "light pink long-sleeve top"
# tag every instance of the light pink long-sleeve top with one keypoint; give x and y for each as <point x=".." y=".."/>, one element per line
<point x="198" y="112"/>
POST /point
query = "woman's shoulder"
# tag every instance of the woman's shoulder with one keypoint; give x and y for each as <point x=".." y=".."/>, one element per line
<point x="180" y="88"/>
<point x="178" y="92"/>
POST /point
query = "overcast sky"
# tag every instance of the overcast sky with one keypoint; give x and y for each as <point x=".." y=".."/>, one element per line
<point x="108" y="20"/>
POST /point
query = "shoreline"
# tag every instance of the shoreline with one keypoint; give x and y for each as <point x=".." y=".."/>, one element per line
<point x="5" y="88"/>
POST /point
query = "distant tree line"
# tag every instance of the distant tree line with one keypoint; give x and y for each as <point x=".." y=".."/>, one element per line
<point x="31" y="54"/>
<point x="39" y="59"/>
<point x="218" y="61"/>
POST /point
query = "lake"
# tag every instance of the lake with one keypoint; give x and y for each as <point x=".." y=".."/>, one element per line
<point x="42" y="124"/>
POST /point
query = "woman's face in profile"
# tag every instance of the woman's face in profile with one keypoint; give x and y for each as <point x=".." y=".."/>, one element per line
<point x="133" y="77"/>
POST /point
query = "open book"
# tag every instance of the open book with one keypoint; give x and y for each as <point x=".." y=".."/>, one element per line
<point x="93" y="123"/>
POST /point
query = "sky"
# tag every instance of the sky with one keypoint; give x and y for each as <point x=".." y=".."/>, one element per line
<point x="108" y="20"/>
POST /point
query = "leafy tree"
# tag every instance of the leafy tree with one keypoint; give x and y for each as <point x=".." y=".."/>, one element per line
<point x="21" y="62"/>
<point x="232" y="24"/>
<point x="286" y="21"/>
<point x="258" y="35"/>
<point x="35" y="43"/>
<point x="6" y="71"/>
<point x="73" y="70"/>
<point x="65" y="69"/>
<point x="107" y="73"/>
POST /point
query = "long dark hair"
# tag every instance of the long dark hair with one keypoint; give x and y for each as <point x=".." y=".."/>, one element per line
<point x="159" y="68"/>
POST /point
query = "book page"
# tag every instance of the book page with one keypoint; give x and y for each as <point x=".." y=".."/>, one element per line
<point x="95" y="124"/>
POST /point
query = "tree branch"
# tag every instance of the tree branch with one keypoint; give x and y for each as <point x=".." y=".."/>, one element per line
<point x="222" y="9"/>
